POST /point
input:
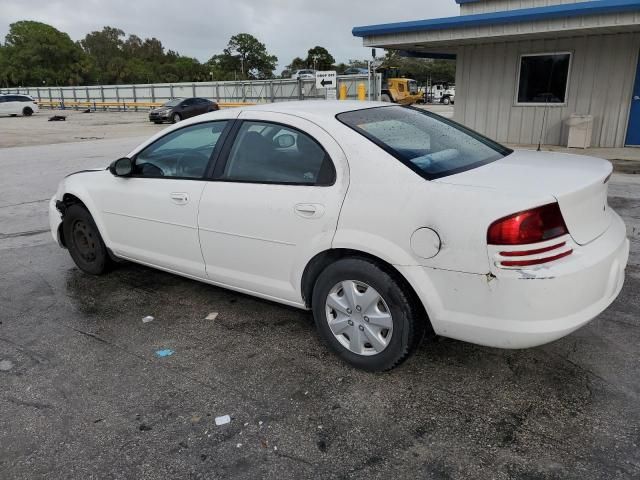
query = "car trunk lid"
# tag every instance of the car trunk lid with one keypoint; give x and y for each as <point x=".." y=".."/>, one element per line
<point x="577" y="182"/>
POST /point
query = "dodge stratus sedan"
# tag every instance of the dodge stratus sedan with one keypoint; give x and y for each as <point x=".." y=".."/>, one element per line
<point x="387" y="222"/>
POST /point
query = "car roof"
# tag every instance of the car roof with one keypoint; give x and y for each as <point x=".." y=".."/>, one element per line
<point x="316" y="108"/>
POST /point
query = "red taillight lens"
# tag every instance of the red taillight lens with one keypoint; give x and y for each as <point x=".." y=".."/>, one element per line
<point x="531" y="226"/>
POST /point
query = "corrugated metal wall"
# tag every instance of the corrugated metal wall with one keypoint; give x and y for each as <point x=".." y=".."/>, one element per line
<point x="600" y="84"/>
<point x="483" y="6"/>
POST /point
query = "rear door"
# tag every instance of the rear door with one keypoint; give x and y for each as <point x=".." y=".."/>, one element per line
<point x="272" y="205"/>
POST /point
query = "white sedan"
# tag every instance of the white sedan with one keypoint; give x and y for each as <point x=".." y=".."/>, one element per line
<point x="386" y="221"/>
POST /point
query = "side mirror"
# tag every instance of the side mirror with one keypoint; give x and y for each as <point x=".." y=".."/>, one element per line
<point x="123" y="167"/>
<point x="285" y="140"/>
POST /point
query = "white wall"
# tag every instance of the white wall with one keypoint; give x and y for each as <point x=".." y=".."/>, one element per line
<point x="601" y="80"/>
<point x="483" y="6"/>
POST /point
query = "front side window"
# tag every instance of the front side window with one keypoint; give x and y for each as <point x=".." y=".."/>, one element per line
<point x="430" y="145"/>
<point x="543" y="78"/>
<point x="266" y="152"/>
<point x="182" y="153"/>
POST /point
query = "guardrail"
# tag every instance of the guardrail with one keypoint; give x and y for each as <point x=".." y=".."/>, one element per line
<point x="120" y="105"/>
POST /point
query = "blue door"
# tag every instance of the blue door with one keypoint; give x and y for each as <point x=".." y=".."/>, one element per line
<point x="633" y="131"/>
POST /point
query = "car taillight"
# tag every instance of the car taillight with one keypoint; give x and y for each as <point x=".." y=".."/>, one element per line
<point x="530" y="226"/>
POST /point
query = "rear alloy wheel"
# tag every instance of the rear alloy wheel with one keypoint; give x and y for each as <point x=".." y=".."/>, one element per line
<point x="175" y="118"/>
<point x="365" y="315"/>
<point x="84" y="242"/>
<point x="27" y="111"/>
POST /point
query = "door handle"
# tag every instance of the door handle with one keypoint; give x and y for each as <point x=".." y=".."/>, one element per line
<point x="179" y="198"/>
<point x="309" y="210"/>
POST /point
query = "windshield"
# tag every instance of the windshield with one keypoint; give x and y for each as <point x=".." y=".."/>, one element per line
<point x="173" y="103"/>
<point x="430" y="145"/>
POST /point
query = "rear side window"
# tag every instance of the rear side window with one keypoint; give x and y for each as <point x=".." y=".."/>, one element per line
<point x="265" y="152"/>
<point x="430" y="145"/>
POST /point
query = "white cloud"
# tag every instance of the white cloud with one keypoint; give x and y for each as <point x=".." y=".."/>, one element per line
<point x="201" y="28"/>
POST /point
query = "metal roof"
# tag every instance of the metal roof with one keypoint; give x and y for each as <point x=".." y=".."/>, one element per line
<point x="594" y="7"/>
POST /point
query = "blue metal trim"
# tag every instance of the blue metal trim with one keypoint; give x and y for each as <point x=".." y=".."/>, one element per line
<point x="594" y="7"/>
<point x="460" y="2"/>
<point x="436" y="56"/>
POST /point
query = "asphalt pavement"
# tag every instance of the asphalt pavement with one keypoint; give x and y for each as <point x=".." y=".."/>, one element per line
<point x="83" y="394"/>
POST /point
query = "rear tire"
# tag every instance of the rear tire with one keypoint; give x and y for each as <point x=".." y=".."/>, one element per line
<point x="385" y="98"/>
<point x="381" y="329"/>
<point x="27" y="111"/>
<point x="83" y="240"/>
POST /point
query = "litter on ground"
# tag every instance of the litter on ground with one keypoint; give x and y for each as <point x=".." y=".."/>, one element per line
<point x="5" y="365"/>
<point x="148" y="319"/>
<point x="212" y="316"/>
<point x="164" y="353"/>
<point x="223" y="420"/>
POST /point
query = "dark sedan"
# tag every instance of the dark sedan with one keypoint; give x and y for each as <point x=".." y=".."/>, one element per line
<point x="180" y="108"/>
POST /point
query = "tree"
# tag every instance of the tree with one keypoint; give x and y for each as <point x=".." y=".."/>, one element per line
<point x="252" y="57"/>
<point x="319" y="58"/>
<point x="420" y="69"/>
<point x="36" y="53"/>
<point x="105" y="48"/>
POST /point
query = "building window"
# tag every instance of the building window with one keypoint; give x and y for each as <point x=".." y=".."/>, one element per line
<point x="543" y="78"/>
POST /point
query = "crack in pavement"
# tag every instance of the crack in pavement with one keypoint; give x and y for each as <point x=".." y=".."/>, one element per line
<point x="28" y="233"/>
<point x="24" y="203"/>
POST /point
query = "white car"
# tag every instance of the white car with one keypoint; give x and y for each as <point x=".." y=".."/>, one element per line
<point x="15" y="104"/>
<point x="304" y="74"/>
<point x="387" y="221"/>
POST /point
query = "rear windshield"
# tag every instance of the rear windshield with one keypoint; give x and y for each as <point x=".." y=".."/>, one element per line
<point x="430" y="145"/>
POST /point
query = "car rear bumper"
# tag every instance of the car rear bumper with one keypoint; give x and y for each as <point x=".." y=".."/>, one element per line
<point x="55" y="220"/>
<point x="528" y="307"/>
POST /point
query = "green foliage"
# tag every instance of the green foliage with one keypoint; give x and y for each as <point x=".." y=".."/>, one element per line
<point x="319" y="58"/>
<point x="245" y="57"/>
<point x="35" y="53"/>
<point x="420" y="69"/>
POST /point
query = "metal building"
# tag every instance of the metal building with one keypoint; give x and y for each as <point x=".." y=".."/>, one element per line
<point x="517" y="59"/>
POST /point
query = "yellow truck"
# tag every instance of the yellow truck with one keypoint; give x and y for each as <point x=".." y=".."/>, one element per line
<point x="398" y="89"/>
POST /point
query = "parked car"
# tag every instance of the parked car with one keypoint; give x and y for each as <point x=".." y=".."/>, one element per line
<point x="388" y="222"/>
<point x="14" y="104"/>
<point x="178" y="109"/>
<point x="356" y="71"/>
<point x="304" y="74"/>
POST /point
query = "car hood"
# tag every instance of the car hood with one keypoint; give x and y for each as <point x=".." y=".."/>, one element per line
<point x="577" y="182"/>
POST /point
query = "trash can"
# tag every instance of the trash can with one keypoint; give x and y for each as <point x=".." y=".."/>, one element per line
<point x="580" y="129"/>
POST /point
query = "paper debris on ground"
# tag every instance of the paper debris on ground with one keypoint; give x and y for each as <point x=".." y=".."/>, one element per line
<point x="6" y="365"/>
<point x="148" y="319"/>
<point x="223" y="420"/>
<point x="211" y="316"/>
<point x="164" y="353"/>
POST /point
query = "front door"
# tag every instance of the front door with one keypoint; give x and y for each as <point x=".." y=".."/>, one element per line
<point x="633" y="130"/>
<point x="152" y="216"/>
<point x="273" y="204"/>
